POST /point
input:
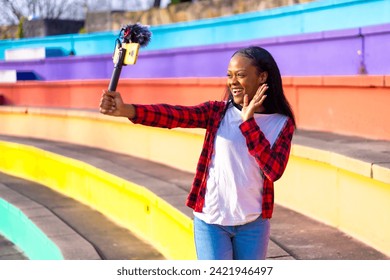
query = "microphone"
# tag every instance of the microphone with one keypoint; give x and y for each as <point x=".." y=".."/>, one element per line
<point x="130" y="39"/>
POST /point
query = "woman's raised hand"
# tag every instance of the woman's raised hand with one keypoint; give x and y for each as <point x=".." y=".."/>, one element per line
<point x="250" y="107"/>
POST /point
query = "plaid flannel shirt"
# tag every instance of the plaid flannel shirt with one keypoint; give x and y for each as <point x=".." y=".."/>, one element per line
<point x="271" y="160"/>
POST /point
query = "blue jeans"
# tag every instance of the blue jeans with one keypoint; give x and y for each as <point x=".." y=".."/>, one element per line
<point x="245" y="242"/>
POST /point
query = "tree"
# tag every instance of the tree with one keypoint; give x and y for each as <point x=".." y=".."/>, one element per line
<point x="13" y="11"/>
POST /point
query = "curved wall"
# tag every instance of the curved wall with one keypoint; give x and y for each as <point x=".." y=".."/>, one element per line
<point x="342" y="52"/>
<point x="352" y="194"/>
<point x="347" y="105"/>
<point x="35" y="245"/>
<point x="128" y="204"/>
<point x="311" y="17"/>
<point x="349" y="194"/>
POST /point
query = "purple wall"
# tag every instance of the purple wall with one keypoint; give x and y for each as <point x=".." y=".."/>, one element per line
<point x="377" y="49"/>
<point x="327" y="53"/>
<point x="339" y="52"/>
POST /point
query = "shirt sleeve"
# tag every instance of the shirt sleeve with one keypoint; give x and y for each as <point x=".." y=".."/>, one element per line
<point x="170" y="116"/>
<point x="271" y="160"/>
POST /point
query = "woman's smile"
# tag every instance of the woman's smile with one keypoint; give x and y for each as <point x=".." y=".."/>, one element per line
<point x="237" y="91"/>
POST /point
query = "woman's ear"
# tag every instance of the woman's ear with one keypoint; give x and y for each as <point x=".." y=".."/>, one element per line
<point x="263" y="77"/>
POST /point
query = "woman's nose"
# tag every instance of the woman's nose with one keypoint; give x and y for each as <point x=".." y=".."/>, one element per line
<point x="233" y="80"/>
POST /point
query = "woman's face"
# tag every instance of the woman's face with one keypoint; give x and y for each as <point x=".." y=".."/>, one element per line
<point x="243" y="78"/>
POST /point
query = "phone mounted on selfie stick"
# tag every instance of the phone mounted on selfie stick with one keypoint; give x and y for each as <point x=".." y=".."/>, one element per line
<point x="130" y="39"/>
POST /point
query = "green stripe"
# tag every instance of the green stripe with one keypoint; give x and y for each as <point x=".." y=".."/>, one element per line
<point x="20" y="230"/>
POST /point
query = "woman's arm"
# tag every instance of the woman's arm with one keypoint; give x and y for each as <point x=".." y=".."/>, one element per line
<point x="158" y="115"/>
<point x="171" y="116"/>
<point x="271" y="160"/>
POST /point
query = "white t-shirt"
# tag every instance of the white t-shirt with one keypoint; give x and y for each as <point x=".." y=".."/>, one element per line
<point x="235" y="181"/>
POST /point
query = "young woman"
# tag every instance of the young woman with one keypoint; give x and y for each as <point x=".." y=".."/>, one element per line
<point x="246" y="149"/>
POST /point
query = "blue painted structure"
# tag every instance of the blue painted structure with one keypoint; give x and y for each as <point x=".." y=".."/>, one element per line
<point x="338" y="52"/>
<point x="290" y="20"/>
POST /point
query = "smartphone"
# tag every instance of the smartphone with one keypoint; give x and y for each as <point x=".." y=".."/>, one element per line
<point x="131" y="55"/>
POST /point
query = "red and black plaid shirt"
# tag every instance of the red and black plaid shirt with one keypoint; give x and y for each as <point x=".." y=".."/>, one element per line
<point x="271" y="160"/>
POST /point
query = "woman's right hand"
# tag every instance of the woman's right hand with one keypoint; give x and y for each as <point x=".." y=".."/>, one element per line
<point x="112" y="104"/>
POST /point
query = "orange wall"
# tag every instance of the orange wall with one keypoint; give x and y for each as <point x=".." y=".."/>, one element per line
<point x="86" y="94"/>
<point x="350" y="105"/>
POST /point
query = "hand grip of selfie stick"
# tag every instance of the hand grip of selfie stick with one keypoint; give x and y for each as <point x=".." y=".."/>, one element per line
<point x="136" y="34"/>
<point x="117" y="70"/>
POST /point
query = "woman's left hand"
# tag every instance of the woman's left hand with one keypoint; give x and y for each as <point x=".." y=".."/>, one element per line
<point x="249" y="108"/>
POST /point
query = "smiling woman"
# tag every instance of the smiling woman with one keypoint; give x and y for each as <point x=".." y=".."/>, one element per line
<point x="246" y="148"/>
<point x="255" y="68"/>
<point x="245" y="81"/>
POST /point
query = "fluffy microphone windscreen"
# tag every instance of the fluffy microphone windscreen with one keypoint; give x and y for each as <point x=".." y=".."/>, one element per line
<point x="137" y="33"/>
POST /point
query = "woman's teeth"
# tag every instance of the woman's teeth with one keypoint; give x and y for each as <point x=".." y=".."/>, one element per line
<point x="236" y="91"/>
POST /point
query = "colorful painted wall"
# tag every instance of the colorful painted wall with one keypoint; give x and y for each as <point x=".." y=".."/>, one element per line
<point x="343" y="52"/>
<point x="316" y="16"/>
<point x="322" y="62"/>
<point x="321" y="103"/>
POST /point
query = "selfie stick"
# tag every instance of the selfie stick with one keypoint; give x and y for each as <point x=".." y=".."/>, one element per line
<point x="130" y="39"/>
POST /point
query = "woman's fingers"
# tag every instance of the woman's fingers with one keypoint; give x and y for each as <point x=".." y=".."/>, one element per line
<point x="245" y="101"/>
<point x="262" y="99"/>
<point x="261" y="90"/>
<point x="260" y="96"/>
<point x="107" y="102"/>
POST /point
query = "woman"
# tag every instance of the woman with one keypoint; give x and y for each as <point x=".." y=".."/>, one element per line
<point x="246" y="148"/>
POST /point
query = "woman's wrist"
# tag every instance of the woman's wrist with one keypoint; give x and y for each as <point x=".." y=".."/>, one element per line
<point x="129" y="111"/>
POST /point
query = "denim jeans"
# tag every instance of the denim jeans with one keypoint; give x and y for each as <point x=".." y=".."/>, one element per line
<point x="244" y="242"/>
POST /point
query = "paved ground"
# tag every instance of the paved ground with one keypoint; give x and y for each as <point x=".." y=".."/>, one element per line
<point x="8" y="250"/>
<point x="293" y="236"/>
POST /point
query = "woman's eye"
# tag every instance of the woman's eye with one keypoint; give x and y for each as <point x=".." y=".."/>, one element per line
<point x="230" y="76"/>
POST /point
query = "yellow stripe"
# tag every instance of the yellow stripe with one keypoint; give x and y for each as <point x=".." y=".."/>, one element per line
<point x="352" y="202"/>
<point x="130" y="205"/>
